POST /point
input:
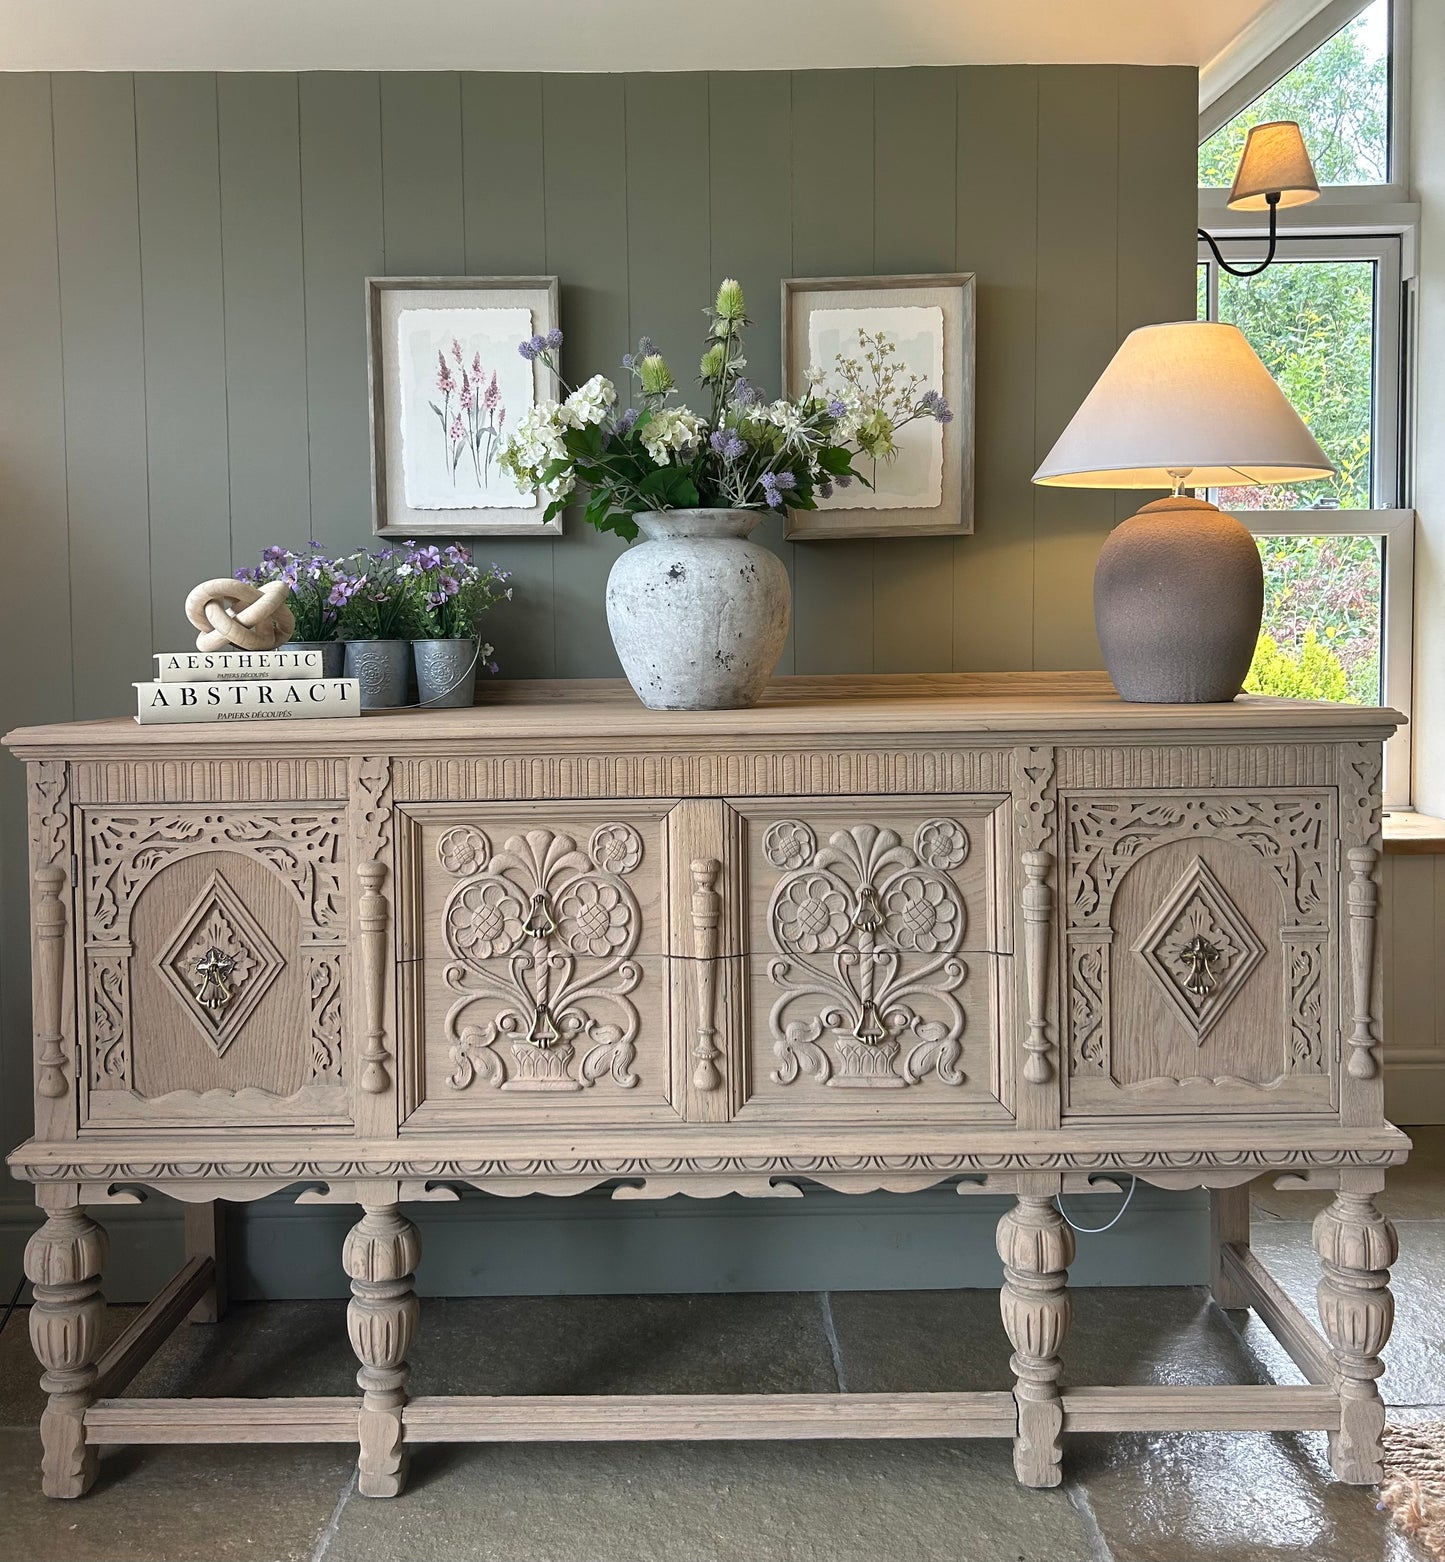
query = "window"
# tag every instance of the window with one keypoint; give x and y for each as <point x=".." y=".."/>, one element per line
<point x="1327" y="320"/>
<point x="1339" y="94"/>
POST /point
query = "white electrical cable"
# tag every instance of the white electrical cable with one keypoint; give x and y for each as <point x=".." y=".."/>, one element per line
<point x="1093" y="1231"/>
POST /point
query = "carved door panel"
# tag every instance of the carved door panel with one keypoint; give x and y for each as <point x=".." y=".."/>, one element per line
<point x="876" y="978"/>
<point x="532" y="979"/>
<point x="211" y="969"/>
<point x="1199" y="953"/>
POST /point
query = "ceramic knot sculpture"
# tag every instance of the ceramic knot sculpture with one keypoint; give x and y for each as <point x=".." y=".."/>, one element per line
<point x="235" y="615"/>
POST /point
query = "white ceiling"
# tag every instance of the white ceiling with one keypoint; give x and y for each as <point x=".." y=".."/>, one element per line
<point x="610" y="35"/>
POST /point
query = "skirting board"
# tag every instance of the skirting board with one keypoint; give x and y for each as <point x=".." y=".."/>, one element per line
<point x="1415" y="1089"/>
<point x="589" y="1245"/>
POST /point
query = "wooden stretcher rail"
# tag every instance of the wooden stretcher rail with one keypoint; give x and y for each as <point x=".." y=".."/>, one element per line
<point x="318" y="1419"/>
<point x="1264" y="1407"/>
<point x="1302" y="1342"/>
<point x="152" y="1326"/>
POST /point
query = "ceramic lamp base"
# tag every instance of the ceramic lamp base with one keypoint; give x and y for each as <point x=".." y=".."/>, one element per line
<point x="1178" y="598"/>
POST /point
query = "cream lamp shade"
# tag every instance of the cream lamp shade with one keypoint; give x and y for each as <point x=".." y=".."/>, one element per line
<point x="1187" y="404"/>
<point x="1274" y="163"/>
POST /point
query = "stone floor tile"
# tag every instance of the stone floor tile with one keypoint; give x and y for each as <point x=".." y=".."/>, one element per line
<point x="767" y="1343"/>
<point x="1414" y="1191"/>
<point x="206" y="1504"/>
<point x="915" y="1341"/>
<point x="1228" y="1497"/>
<point x="720" y="1502"/>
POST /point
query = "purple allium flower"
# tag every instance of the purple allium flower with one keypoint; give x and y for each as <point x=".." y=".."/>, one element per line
<point x="626" y="421"/>
<point x="929" y="400"/>
<point x="774" y="486"/>
<point x="530" y="349"/>
<point x="837" y="409"/>
<point x="745" y="394"/>
<point x="727" y="443"/>
<point x="553" y="339"/>
<point x="825" y="489"/>
<point x="943" y="412"/>
<point x="628" y="360"/>
<point x="843" y="482"/>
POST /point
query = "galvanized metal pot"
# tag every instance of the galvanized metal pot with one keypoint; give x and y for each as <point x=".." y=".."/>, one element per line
<point x="697" y="612"/>
<point x="382" y="668"/>
<point x="333" y="654"/>
<point x="446" y="672"/>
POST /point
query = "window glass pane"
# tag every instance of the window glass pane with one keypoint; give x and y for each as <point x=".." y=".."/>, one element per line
<point x="1320" y="639"/>
<point x="1201" y="292"/>
<point x="1340" y="96"/>
<point x="1313" y="325"/>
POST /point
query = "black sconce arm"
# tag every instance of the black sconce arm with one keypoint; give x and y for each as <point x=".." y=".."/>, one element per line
<point x="1250" y="271"/>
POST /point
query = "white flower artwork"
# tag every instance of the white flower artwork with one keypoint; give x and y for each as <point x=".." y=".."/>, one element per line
<point x="913" y="478"/>
<point x="463" y="386"/>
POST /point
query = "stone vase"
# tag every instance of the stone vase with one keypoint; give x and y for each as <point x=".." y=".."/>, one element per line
<point x="333" y="654"/>
<point x="698" y="613"/>
<point x="446" y="672"/>
<point x="382" y="668"/>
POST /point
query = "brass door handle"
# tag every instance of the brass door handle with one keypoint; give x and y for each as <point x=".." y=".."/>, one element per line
<point x="214" y="968"/>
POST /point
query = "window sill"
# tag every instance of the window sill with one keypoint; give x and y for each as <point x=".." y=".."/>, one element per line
<point x="1413" y="835"/>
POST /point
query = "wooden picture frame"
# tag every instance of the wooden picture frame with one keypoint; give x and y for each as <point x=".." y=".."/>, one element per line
<point x="948" y="472"/>
<point x="431" y="440"/>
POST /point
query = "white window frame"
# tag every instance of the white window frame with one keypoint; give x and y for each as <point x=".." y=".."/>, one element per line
<point x="1395" y="527"/>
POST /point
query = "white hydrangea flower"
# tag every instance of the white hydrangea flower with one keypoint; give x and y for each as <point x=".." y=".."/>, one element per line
<point x="813" y="375"/>
<point x="782" y="415"/>
<point x="589" y="403"/>
<point x="670" y="430"/>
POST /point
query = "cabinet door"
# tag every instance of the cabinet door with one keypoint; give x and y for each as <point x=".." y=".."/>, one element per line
<point x="212" y="946"/>
<point x="876" y="977"/>
<point x="532" y="974"/>
<point x="1199" y="952"/>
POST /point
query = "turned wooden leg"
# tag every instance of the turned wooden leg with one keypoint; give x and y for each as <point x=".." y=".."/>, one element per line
<point x="206" y="1238"/>
<point x="1356" y="1245"/>
<point x="382" y="1251"/>
<point x="63" y="1260"/>
<point x="1228" y="1223"/>
<point x="1037" y="1248"/>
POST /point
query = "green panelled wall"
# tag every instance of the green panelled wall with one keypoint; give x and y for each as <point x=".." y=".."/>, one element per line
<point x="182" y="353"/>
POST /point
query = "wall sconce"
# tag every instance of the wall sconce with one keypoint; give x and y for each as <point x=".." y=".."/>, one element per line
<point x="1274" y="171"/>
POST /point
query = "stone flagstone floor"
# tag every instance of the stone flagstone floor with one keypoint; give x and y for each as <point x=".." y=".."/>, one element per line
<point x="1141" y="1498"/>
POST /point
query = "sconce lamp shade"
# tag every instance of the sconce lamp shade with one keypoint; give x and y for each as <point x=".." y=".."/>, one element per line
<point x="1189" y="402"/>
<point x="1274" y="163"/>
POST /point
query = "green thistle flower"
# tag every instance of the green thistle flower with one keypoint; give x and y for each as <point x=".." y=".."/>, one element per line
<point x="730" y="304"/>
<point x="714" y="361"/>
<point x="655" y="375"/>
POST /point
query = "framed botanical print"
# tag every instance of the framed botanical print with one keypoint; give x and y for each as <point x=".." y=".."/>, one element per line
<point x="880" y="339"/>
<point x="447" y="385"/>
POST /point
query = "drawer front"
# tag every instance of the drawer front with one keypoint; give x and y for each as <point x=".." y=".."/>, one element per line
<point x="1200" y="962"/>
<point x="877" y="979"/>
<point x="212" y="968"/>
<point x="532" y="982"/>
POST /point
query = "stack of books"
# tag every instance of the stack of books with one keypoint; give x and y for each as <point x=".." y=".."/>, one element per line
<point x="282" y="685"/>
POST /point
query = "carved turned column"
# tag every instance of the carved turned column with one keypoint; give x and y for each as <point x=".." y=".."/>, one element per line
<point x="381" y="1252"/>
<point x="63" y="1260"/>
<point x="1037" y="1248"/>
<point x="1356" y="1244"/>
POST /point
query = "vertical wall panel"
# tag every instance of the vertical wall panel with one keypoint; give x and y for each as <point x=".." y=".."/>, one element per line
<point x="103" y="354"/>
<point x="915" y="143"/>
<point x="178" y="165"/>
<point x="584" y="136"/>
<point x="1077" y="334"/>
<point x="833" y="188"/>
<point x="998" y="110"/>
<point x="421" y="161"/>
<point x="751" y="224"/>
<point x="265" y="313"/>
<point x="340" y="118"/>
<point x="32" y="502"/>
<point x="505" y="233"/>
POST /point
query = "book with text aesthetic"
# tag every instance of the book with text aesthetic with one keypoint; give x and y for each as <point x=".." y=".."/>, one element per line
<point x="213" y="666"/>
<point x="228" y="699"/>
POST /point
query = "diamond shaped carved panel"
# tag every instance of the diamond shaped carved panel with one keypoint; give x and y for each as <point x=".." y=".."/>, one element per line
<point x="219" y="964"/>
<point x="1199" y="949"/>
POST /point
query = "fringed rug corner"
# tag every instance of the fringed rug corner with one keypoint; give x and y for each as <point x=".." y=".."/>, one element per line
<point x="1413" y="1490"/>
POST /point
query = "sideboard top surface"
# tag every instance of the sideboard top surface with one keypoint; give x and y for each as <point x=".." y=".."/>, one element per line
<point x="1049" y="705"/>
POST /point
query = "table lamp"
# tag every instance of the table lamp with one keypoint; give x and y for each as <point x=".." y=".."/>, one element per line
<point x="1179" y="590"/>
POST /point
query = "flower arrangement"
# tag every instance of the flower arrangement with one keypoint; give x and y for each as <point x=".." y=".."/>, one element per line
<point x="448" y="593"/>
<point x="746" y="453"/>
<point x="372" y="598"/>
<point x="313" y="579"/>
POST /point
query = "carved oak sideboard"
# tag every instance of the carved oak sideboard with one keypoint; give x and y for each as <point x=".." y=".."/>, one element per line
<point x="1003" y="933"/>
